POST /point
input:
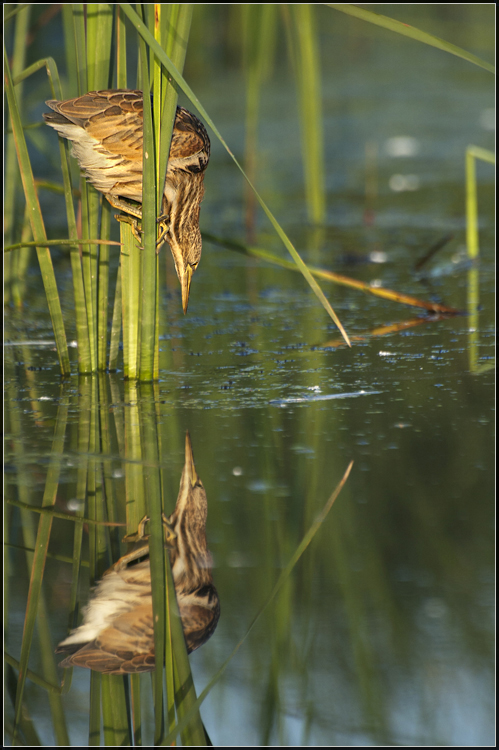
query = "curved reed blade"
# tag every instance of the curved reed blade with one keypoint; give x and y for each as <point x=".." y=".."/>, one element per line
<point x="37" y="225"/>
<point x="147" y="36"/>
<point x="335" y="278"/>
<point x="410" y="31"/>
<point x="280" y="581"/>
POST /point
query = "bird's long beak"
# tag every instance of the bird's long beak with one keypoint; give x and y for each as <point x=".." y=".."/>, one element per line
<point x="189" y="467"/>
<point x="185" y="283"/>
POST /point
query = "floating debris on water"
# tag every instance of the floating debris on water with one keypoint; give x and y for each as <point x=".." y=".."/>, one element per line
<point x="321" y="397"/>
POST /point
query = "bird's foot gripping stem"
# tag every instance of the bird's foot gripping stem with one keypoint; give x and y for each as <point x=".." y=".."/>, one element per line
<point x="163" y="229"/>
<point x="140" y="539"/>
<point x="140" y="534"/>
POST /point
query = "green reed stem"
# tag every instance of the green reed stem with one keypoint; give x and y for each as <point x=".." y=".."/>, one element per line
<point x="21" y="30"/>
<point x="39" y="557"/>
<point x="259" y="37"/>
<point x="315" y="526"/>
<point x="130" y="298"/>
<point x="114" y="346"/>
<point x="309" y="89"/>
<point x="152" y="490"/>
<point x="410" y="31"/>
<point x="149" y="285"/>
<point x="147" y="36"/>
<point x="472" y="154"/>
<point x="37" y="224"/>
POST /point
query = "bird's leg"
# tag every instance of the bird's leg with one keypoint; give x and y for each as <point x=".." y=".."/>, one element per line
<point x="128" y="208"/>
<point x="136" y="211"/>
<point x="141" y="535"/>
<point x="140" y="538"/>
<point x="134" y="226"/>
<point x="163" y="229"/>
<point x="121" y="204"/>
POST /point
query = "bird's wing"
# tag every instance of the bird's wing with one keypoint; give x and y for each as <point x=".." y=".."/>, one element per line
<point x="125" y="647"/>
<point x="190" y="144"/>
<point x="113" y="118"/>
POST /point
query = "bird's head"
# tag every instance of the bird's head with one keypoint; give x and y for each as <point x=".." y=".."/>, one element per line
<point x="184" y="236"/>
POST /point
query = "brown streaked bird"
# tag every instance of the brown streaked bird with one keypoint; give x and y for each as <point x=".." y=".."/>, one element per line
<point x="106" y="130"/>
<point x="117" y="634"/>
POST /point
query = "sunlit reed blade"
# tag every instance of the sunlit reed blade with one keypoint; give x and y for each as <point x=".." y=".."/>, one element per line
<point x="37" y="224"/>
<point x="146" y="35"/>
<point x="387" y="330"/>
<point x="280" y="581"/>
<point x="336" y="278"/>
<point x="410" y="31"/>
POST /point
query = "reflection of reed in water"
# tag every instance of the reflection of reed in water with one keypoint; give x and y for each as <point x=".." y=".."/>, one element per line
<point x="117" y="634"/>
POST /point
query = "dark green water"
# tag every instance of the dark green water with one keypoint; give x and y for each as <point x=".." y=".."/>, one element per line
<point x="384" y="634"/>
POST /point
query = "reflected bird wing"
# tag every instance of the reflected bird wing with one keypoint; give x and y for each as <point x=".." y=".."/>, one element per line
<point x="126" y="647"/>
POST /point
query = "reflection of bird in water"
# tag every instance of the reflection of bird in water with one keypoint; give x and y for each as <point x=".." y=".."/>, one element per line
<point x="106" y="128"/>
<point x="117" y="634"/>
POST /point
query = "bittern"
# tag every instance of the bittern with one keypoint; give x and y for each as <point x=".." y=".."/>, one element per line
<point x="117" y="634"/>
<point x="106" y="130"/>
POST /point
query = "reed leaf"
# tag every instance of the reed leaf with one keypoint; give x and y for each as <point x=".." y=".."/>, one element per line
<point x="175" y="36"/>
<point x="110" y="494"/>
<point x="50" y="687"/>
<point x="410" y="31"/>
<point x="335" y="278"/>
<point x="114" y="343"/>
<point x="103" y="287"/>
<point x="115" y="711"/>
<point x="259" y="37"/>
<point x="133" y="458"/>
<point x="59" y="243"/>
<point x="136" y="716"/>
<point x="41" y="545"/>
<point x="89" y="199"/>
<point x="58" y="514"/>
<point x="472" y="243"/>
<point x="28" y="527"/>
<point x="130" y="298"/>
<point x="192" y="733"/>
<point x="472" y="154"/>
<point x="20" y="267"/>
<point x="121" y="74"/>
<point x="152" y="491"/>
<point x="147" y="36"/>
<point x="77" y="41"/>
<point x="70" y="48"/>
<point x="11" y="176"/>
<point x="94" y="718"/>
<point x="149" y="285"/>
<point x="99" y="30"/>
<point x="37" y="225"/>
<point x="27" y="733"/>
<point x="14" y="12"/>
<point x="307" y="69"/>
<point x="84" y="353"/>
<point x="313" y="529"/>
